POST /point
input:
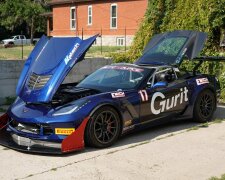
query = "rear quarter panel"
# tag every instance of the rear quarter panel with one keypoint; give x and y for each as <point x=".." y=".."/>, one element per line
<point x="198" y="84"/>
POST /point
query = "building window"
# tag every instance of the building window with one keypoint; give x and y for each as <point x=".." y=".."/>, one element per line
<point x="89" y="15"/>
<point x="72" y="18"/>
<point x="113" y="16"/>
<point x="120" y="41"/>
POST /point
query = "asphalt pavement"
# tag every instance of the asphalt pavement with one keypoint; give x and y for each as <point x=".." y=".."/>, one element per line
<point x="177" y="150"/>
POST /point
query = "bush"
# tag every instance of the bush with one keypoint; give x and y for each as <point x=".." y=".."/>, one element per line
<point x="9" y="100"/>
<point x="120" y="57"/>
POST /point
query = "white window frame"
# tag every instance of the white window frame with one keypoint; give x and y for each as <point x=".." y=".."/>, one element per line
<point x="90" y="15"/>
<point x="118" y="41"/>
<point x="75" y="19"/>
<point x="113" y="17"/>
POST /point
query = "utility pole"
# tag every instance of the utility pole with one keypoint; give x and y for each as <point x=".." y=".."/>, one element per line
<point x="125" y="39"/>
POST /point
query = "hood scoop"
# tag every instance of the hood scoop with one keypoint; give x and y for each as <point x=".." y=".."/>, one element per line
<point x="37" y="82"/>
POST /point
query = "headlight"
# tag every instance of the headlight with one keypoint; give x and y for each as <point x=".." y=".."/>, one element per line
<point x="70" y="108"/>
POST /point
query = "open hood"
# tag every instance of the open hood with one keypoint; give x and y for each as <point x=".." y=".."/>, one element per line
<point x="48" y="65"/>
<point x="170" y="48"/>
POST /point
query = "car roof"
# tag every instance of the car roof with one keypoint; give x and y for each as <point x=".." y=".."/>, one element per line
<point x="141" y="65"/>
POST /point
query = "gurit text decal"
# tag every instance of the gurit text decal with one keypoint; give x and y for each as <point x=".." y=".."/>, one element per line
<point x="166" y="104"/>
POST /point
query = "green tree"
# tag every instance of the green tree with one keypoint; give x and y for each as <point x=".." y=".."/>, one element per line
<point x="14" y="13"/>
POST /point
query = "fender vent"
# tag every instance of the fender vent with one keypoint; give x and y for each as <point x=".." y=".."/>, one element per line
<point x="38" y="82"/>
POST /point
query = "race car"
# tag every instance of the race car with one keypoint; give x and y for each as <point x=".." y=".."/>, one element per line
<point x="49" y="116"/>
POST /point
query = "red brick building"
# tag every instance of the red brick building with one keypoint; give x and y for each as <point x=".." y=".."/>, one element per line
<point x="116" y="20"/>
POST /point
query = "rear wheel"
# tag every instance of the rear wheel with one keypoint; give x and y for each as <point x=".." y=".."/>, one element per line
<point x="103" y="128"/>
<point x="10" y="44"/>
<point x="205" y="106"/>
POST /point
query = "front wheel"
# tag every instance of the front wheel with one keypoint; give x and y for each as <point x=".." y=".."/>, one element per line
<point x="103" y="128"/>
<point x="205" y="106"/>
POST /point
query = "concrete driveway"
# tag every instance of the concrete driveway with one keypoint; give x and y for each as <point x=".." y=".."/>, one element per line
<point x="172" y="151"/>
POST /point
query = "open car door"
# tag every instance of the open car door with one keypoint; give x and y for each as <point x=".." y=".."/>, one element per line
<point x="170" y="48"/>
<point x="47" y="66"/>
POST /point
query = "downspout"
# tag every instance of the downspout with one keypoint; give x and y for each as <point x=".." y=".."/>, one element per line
<point x="77" y="32"/>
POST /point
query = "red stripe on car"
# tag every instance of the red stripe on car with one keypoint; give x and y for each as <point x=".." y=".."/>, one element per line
<point x="75" y="141"/>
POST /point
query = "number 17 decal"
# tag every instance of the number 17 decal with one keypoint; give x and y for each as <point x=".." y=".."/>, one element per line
<point x="144" y="95"/>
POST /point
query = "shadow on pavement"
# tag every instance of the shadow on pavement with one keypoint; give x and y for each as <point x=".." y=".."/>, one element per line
<point x="150" y="133"/>
<point x="154" y="132"/>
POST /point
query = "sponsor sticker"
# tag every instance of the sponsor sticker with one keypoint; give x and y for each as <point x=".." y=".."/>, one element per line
<point x="127" y="123"/>
<point x="118" y="94"/>
<point x="64" y="131"/>
<point x="70" y="55"/>
<point x="133" y="69"/>
<point x="128" y="128"/>
<point x="202" y="81"/>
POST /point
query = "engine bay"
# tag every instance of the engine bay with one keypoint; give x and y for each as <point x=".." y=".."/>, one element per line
<point x="69" y="92"/>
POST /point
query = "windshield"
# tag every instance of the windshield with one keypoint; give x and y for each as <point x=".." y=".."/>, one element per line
<point x="166" y="51"/>
<point x="110" y="78"/>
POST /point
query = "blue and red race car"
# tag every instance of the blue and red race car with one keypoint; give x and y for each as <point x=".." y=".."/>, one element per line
<point x="51" y="117"/>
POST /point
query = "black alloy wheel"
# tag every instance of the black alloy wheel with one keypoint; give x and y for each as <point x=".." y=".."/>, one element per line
<point x="205" y="106"/>
<point x="103" y="128"/>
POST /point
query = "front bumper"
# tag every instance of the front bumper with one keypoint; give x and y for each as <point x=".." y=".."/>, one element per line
<point x="73" y="142"/>
<point x="19" y="143"/>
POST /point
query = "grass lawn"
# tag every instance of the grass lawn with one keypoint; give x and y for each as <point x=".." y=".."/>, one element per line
<point x="105" y="51"/>
<point x="15" y="53"/>
<point x="216" y="178"/>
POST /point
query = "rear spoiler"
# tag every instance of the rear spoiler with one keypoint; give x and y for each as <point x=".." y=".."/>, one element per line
<point x="210" y="58"/>
<point x="206" y="58"/>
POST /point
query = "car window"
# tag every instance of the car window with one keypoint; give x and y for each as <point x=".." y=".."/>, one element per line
<point x="166" y="50"/>
<point x="118" y="77"/>
<point x="169" y="46"/>
<point x="165" y="75"/>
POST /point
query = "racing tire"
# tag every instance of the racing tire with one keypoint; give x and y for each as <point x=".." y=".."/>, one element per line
<point x="204" y="108"/>
<point x="103" y="128"/>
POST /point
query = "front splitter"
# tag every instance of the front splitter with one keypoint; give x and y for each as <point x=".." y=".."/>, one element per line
<point x="6" y="140"/>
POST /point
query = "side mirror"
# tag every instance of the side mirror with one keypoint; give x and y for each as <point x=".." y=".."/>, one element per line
<point x="160" y="84"/>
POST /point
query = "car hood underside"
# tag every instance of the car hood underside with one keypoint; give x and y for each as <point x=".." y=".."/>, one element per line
<point x="48" y="65"/>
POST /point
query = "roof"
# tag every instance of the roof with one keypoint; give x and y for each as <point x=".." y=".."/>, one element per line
<point x="56" y="2"/>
